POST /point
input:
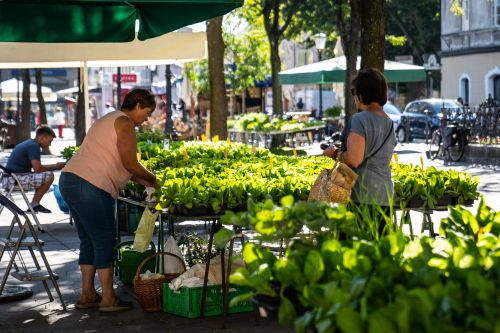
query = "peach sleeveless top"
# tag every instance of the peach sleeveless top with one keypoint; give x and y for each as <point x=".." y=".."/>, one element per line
<point x="97" y="160"/>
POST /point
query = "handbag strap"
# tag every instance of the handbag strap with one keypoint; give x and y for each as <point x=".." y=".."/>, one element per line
<point x="382" y="145"/>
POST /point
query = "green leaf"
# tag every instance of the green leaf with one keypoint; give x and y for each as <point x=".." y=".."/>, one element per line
<point x="350" y="259"/>
<point x="240" y="277"/>
<point x="413" y="249"/>
<point x="288" y="273"/>
<point x="314" y="295"/>
<point x="222" y="237"/>
<point x="287" y="201"/>
<point x="378" y="323"/>
<point x="325" y="326"/>
<point x="349" y="321"/>
<point x="286" y="312"/>
<point x="236" y="300"/>
<point x="250" y="256"/>
<point x="314" y="266"/>
<point x="303" y="322"/>
<point x="440" y="263"/>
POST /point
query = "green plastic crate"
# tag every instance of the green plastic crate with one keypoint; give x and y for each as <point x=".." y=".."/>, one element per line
<point x="186" y="302"/>
<point x="128" y="260"/>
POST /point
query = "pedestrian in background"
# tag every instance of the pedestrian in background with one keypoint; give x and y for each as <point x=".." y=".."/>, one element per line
<point x="60" y="120"/>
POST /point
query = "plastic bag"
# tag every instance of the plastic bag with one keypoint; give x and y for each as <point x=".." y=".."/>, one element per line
<point x="63" y="206"/>
<point x="144" y="232"/>
<point x="195" y="275"/>
<point x="171" y="264"/>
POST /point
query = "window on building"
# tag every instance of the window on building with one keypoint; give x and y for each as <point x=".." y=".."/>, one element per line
<point x="465" y="89"/>
<point x="465" y="17"/>
<point x="496" y="88"/>
<point x="497" y="13"/>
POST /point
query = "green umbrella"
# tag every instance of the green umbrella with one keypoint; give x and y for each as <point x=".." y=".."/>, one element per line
<point x="333" y="70"/>
<point x="66" y="21"/>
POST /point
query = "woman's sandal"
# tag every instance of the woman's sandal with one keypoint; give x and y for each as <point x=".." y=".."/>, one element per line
<point x="118" y="306"/>
<point x="89" y="305"/>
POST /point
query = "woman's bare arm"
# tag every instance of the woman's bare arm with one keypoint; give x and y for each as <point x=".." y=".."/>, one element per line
<point x="355" y="152"/>
<point x="127" y="148"/>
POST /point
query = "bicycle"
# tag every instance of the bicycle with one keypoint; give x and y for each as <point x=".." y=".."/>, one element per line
<point x="449" y="141"/>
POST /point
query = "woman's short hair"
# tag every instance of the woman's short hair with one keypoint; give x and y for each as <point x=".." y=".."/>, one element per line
<point x="371" y="86"/>
<point x="142" y="96"/>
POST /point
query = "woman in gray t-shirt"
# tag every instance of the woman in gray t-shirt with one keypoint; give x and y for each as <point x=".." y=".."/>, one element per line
<point x="370" y="141"/>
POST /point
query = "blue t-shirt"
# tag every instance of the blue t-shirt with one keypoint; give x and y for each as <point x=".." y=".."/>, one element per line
<point x="22" y="155"/>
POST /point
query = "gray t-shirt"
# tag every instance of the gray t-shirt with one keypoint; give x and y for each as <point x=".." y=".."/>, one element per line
<point x="374" y="185"/>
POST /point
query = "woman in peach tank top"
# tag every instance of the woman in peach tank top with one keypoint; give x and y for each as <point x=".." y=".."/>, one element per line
<point x="90" y="182"/>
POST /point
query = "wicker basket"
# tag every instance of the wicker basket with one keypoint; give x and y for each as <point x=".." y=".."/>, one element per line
<point x="150" y="292"/>
<point x="334" y="185"/>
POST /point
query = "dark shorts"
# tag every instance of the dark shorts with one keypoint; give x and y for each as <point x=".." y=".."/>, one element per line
<point x="93" y="210"/>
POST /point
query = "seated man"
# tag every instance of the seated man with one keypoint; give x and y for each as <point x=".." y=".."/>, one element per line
<point x="26" y="156"/>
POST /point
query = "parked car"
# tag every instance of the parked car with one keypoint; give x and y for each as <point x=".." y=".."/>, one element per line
<point x="414" y="117"/>
<point x="393" y="112"/>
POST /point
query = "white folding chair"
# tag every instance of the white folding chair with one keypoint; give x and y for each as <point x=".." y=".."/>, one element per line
<point x="19" y="188"/>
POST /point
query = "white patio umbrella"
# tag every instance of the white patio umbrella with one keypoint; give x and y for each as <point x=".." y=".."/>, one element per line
<point x="10" y="88"/>
<point x="170" y="48"/>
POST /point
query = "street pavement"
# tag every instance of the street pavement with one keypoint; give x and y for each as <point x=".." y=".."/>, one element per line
<point x="37" y="314"/>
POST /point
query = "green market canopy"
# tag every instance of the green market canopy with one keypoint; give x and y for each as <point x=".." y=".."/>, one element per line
<point x="80" y="21"/>
<point x="333" y="70"/>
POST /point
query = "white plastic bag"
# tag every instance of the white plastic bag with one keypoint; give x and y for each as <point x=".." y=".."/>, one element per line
<point x="144" y="232"/>
<point x="196" y="274"/>
<point x="171" y="264"/>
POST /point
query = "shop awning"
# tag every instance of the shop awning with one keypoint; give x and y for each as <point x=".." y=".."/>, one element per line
<point x="333" y="70"/>
<point x="75" y="21"/>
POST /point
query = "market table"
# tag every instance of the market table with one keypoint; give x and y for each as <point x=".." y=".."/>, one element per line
<point x="418" y="206"/>
<point x="256" y="137"/>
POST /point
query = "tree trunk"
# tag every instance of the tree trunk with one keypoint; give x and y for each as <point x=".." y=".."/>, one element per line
<point x="275" y="69"/>
<point x="372" y="34"/>
<point x="218" y="105"/>
<point x="80" y="113"/>
<point x="350" y="38"/>
<point x="41" y="104"/>
<point x="243" y="102"/>
<point x="39" y="96"/>
<point x="24" y="126"/>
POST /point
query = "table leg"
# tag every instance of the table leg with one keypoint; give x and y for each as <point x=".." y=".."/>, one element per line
<point x="224" y="284"/>
<point x="427" y="224"/>
<point x="225" y="295"/>
<point x="215" y="227"/>
<point x="408" y="218"/>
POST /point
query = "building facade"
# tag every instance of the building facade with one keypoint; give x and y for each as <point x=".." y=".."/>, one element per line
<point x="470" y="45"/>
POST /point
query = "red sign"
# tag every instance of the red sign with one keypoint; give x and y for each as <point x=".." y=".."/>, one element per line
<point x="126" y="78"/>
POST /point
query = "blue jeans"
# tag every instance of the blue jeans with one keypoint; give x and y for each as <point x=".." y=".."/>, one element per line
<point x="93" y="210"/>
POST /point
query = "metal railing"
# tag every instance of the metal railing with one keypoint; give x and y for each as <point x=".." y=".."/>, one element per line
<point x="483" y="121"/>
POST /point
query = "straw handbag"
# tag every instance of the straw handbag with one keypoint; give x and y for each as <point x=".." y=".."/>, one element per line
<point x="334" y="185"/>
<point x="150" y="292"/>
